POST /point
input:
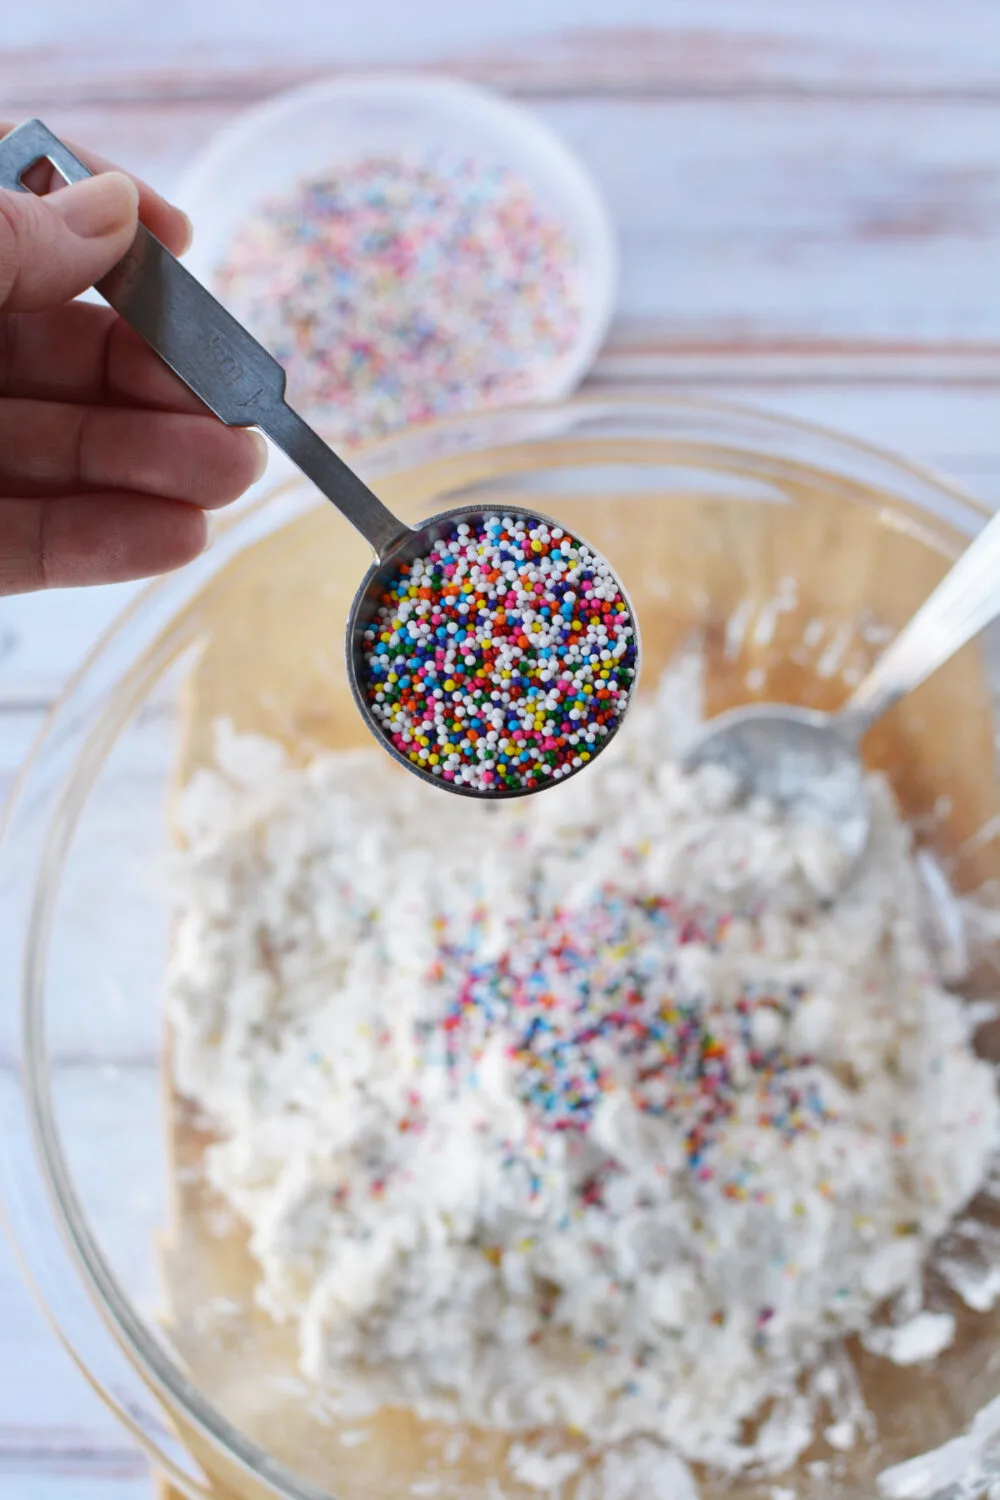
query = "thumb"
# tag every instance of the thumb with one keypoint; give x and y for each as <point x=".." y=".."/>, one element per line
<point x="53" y="248"/>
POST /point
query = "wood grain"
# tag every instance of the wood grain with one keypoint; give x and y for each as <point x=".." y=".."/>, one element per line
<point x="751" y="231"/>
<point x="793" y="203"/>
<point x="883" y="49"/>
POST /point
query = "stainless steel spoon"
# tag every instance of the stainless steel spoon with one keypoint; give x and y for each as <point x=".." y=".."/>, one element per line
<point x="244" y="386"/>
<point x="809" y="763"/>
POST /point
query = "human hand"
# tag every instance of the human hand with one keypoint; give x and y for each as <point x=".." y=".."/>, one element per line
<point x="107" y="461"/>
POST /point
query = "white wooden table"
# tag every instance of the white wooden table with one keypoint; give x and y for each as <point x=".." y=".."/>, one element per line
<point x="809" y="204"/>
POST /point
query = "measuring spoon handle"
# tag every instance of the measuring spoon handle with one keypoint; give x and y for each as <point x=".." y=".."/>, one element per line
<point x="965" y="601"/>
<point x="205" y="345"/>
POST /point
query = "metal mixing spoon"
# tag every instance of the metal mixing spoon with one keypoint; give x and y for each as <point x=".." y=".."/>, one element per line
<point x="808" y="762"/>
<point x="244" y="386"/>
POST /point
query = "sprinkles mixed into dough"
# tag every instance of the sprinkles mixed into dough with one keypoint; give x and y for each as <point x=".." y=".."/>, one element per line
<point x="584" y="1113"/>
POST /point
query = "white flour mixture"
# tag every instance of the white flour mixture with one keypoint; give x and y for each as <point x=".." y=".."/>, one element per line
<point x="581" y="1112"/>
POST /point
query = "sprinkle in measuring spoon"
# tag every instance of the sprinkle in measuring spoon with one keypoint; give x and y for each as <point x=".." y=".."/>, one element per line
<point x="502" y="659"/>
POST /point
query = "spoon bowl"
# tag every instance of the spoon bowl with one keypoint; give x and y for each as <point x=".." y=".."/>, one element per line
<point x="417" y="543"/>
<point x="803" y="761"/>
<point x="809" y="762"/>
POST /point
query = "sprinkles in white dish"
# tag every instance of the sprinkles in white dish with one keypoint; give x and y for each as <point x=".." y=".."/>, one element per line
<point x="395" y="291"/>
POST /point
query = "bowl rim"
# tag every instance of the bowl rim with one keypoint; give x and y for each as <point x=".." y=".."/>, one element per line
<point x="156" y="1369"/>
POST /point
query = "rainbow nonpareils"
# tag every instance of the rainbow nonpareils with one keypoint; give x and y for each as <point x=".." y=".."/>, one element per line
<point x="502" y="660"/>
<point x="396" y="291"/>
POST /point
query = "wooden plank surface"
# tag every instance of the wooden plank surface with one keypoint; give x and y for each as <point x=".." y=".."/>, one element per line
<point x="804" y="187"/>
<point x="866" y="48"/>
<point x="809" y="204"/>
<point x="751" y="228"/>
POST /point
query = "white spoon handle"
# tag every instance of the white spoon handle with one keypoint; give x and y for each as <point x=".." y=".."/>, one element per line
<point x="963" y="604"/>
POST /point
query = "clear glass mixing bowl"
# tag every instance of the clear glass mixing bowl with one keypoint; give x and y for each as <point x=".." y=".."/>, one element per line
<point x="705" y="512"/>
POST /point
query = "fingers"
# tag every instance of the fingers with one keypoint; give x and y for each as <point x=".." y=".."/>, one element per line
<point x="53" y="248"/>
<point x="89" y="539"/>
<point x="166" y="222"/>
<point x="126" y="485"/>
<point x="82" y="352"/>
<point x="52" y="448"/>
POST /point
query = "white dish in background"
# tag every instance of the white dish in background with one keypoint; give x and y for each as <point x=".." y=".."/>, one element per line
<point x="309" y="130"/>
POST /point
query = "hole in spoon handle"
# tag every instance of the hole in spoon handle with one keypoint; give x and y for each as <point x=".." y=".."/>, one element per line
<point x="29" y="143"/>
<point x="338" y="482"/>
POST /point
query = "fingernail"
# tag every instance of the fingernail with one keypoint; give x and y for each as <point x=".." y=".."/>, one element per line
<point x="97" y="206"/>
<point x="263" y="454"/>
<point x="188" y="232"/>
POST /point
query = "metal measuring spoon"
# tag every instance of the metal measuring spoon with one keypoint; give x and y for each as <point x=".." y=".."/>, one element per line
<point x="244" y="386"/>
<point x="809" y="763"/>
